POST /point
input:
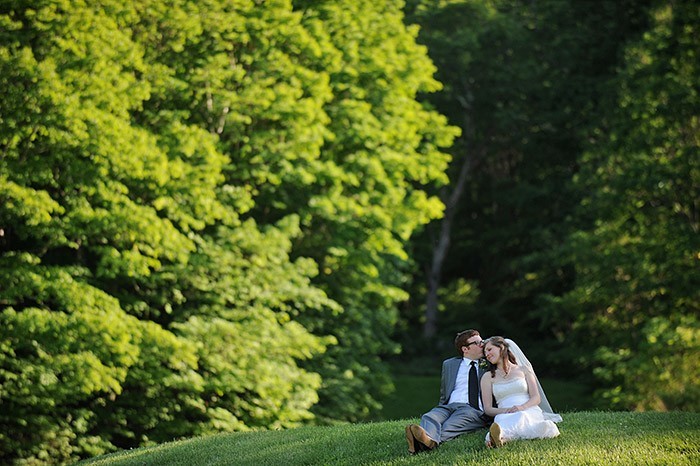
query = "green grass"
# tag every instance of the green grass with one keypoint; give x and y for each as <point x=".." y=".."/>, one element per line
<point x="587" y="438"/>
<point x="566" y="396"/>
<point x="414" y="395"/>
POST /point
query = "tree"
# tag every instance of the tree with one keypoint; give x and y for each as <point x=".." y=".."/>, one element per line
<point x="111" y="201"/>
<point x="383" y="154"/>
<point x="524" y="81"/>
<point x="636" y="291"/>
<point x="232" y="184"/>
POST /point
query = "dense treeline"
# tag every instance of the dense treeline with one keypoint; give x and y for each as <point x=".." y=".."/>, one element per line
<point x="572" y="220"/>
<point x="212" y="212"/>
<point x="204" y="211"/>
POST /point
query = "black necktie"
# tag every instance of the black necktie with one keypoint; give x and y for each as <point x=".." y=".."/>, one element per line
<point x="473" y="387"/>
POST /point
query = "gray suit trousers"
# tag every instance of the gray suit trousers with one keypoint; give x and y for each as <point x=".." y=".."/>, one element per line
<point x="445" y="422"/>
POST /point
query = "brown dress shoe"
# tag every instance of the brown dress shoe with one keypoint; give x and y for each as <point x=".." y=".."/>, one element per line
<point x="411" y="440"/>
<point x="422" y="437"/>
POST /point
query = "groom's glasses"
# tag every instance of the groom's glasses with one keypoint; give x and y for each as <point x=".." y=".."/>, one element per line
<point x="474" y="343"/>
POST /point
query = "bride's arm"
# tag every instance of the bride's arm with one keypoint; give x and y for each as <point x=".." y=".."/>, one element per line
<point x="487" y="394"/>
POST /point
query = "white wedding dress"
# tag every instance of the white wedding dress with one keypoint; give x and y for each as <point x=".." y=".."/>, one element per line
<point x="531" y="423"/>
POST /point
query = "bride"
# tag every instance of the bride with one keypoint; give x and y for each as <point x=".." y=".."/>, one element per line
<point x="523" y="411"/>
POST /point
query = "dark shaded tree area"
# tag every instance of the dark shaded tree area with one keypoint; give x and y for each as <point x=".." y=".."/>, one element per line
<point x="637" y="290"/>
<point x="542" y="91"/>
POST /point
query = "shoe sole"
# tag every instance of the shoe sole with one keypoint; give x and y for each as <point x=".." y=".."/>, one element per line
<point x="418" y="433"/>
<point x="410" y="440"/>
<point x="495" y="432"/>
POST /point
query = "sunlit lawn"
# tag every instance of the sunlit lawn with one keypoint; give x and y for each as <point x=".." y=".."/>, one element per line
<point x="587" y="438"/>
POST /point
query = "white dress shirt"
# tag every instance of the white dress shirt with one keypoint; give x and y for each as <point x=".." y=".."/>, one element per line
<point x="460" y="394"/>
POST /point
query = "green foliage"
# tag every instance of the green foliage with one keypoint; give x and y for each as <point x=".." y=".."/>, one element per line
<point x="578" y="231"/>
<point x="511" y="91"/>
<point x="106" y="206"/>
<point x="524" y="81"/>
<point x="248" y="338"/>
<point x="65" y="345"/>
<point x="197" y="200"/>
<point x="323" y="125"/>
<point x="636" y="293"/>
<point x="370" y="193"/>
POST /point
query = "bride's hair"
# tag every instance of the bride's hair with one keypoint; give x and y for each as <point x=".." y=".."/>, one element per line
<point x="506" y="354"/>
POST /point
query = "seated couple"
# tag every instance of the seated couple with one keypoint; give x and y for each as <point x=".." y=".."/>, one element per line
<point x="521" y="410"/>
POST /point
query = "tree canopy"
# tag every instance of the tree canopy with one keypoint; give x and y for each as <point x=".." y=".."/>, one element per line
<point x="204" y="212"/>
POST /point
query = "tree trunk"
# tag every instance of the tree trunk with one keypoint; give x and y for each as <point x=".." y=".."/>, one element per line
<point x="434" y="273"/>
<point x="441" y="248"/>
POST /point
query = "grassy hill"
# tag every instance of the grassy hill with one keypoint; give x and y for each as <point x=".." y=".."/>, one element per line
<point x="587" y="438"/>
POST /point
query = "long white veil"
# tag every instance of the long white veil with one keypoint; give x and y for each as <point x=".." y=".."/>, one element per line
<point x="522" y="361"/>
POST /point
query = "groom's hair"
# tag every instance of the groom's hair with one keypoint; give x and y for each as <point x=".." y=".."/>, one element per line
<point x="462" y="337"/>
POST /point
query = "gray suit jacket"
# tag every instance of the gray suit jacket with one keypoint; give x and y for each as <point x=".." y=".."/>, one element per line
<point x="450" y="367"/>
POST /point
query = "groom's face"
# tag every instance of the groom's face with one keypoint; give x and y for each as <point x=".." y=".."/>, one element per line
<point x="474" y="348"/>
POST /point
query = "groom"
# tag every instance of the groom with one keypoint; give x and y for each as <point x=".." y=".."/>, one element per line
<point x="460" y="409"/>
